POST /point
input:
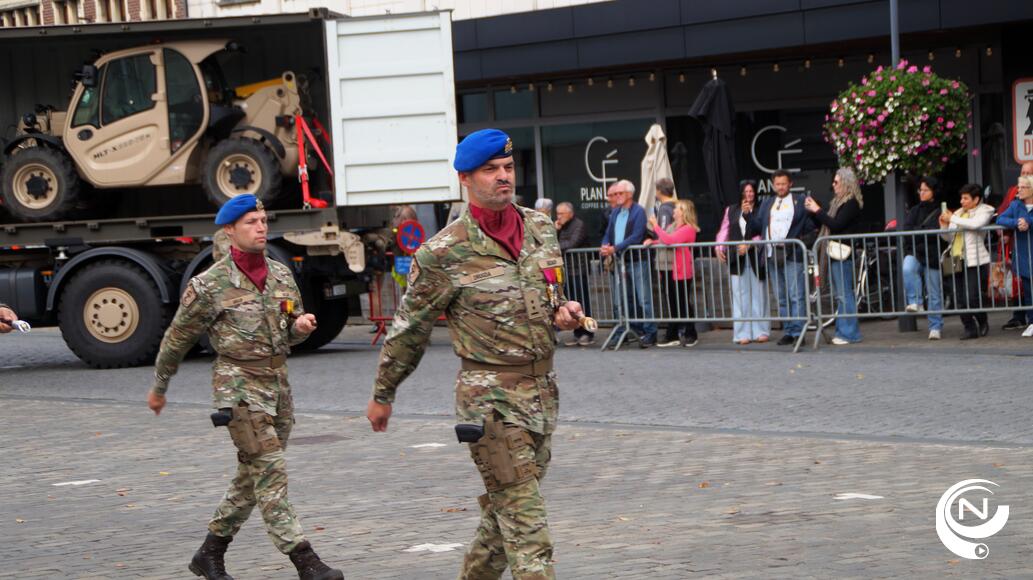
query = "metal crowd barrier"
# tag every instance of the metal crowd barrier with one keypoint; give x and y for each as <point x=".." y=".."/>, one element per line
<point x="866" y="282"/>
<point x="643" y="291"/>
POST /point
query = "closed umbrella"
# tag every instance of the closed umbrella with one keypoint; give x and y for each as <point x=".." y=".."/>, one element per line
<point x="655" y="165"/>
<point x="714" y="109"/>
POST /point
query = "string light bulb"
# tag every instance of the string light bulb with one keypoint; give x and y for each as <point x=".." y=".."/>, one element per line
<point x="609" y="83"/>
<point x="681" y="78"/>
<point x="530" y="87"/>
<point x="840" y="62"/>
<point x="957" y="53"/>
<point x="591" y="82"/>
<point x="776" y="68"/>
<point x="652" y="77"/>
<point x="512" y="89"/>
<point x="549" y="86"/>
<point x="742" y="71"/>
<point x="807" y="64"/>
<point x="871" y="57"/>
<point x="631" y="81"/>
<point x="989" y="51"/>
<point x="570" y="87"/>
<point x="932" y="55"/>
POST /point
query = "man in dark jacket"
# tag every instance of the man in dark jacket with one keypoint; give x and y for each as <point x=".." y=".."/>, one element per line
<point x="627" y="228"/>
<point x="574" y="235"/>
<point x="784" y="217"/>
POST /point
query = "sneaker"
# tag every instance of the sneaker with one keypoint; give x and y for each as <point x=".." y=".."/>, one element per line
<point x="586" y="340"/>
<point x="1013" y="324"/>
<point x="935" y="335"/>
<point x="572" y="341"/>
<point x="786" y="340"/>
<point x="647" y="341"/>
<point x="839" y="341"/>
<point x="668" y="343"/>
<point x="687" y="343"/>
<point x="1028" y="332"/>
<point x="912" y="308"/>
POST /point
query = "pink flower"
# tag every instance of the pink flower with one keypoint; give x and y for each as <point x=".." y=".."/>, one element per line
<point x="871" y="110"/>
<point x="864" y="81"/>
<point x="939" y="120"/>
<point x="893" y="78"/>
<point x="912" y="69"/>
<point x="849" y="143"/>
<point x="955" y="85"/>
<point x="950" y="124"/>
<point x="902" y="65"/>
<point x="826" y="118"/>
<point x="975" y="152"/>
<point x="944" y="158"/>
<point x="872" y="93"/>
<point x="927" y="69"/>
<point x="881" y="118"/>
<point x="900" y="89"/>
<point x="879" y="78"/>
<point x="925" y="82"/>
<point x="943" y="91"/>
<point x="879" y="70"/>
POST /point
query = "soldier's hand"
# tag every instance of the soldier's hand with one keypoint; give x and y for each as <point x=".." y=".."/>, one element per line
<point x="7" y="314"/>
<point x="378" y="414"/>
<point x="305" y="324"/>
<point x="568" y="316"/>
<point x="156" y="402"/>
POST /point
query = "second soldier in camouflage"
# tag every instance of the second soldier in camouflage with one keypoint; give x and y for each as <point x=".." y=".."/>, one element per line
<point x="495" y="274"/>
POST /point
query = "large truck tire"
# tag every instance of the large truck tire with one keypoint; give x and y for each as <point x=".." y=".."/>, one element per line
<point x="241" y="165"/>
<point x="111" y="315"/>
<point x="331" y="316"/>
<point x="40" y="184"/>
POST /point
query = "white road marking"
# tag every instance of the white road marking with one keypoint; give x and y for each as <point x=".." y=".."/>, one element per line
<point x="433" y="548"/>
<point x="81" y="482"/>
<point x="856" y="496"/>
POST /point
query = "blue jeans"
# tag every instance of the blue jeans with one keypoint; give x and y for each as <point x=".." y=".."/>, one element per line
<point x="789" y="283"/>
<point x="914" y="274"/>
<point x="842" y="278"/>
<point x="640" y="298"/>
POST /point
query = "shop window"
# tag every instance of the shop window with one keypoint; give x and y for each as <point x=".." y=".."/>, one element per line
<point x="514" y="105"/>
<point x="581" y="160"/>
<point x="473" y="107"/>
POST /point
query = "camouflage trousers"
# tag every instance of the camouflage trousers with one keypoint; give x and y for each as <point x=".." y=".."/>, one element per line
<point x="263" y="482"/>
<point x="514" y="531"/>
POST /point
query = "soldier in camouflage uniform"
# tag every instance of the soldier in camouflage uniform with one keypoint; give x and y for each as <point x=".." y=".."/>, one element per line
<point x="251" y="309"/>
<point x="502" y="302"/>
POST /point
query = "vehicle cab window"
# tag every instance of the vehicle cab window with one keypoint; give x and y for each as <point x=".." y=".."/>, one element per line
<point x="186" y="105"/>
<point x="129" y="85"/>
<point x="87" y="111"/>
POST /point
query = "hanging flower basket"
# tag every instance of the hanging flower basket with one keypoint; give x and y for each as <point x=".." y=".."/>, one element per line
<point x="901" y="119"/>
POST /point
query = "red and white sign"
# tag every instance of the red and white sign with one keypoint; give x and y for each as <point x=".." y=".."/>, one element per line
<point x="1022" y="119"/>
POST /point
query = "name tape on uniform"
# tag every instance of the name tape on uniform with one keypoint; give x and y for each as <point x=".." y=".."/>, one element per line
<point x="483" y="275"/>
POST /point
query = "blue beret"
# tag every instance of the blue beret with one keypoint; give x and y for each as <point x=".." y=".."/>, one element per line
<point x="236" y="207"/>
<point x="479" y="147"/>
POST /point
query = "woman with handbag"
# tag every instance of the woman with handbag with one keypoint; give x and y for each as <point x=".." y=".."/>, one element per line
<point x="922" y="256"/>
<point x="970" y="246"/>
<point x="842" y="217"/>
<point x="746" y="269"/>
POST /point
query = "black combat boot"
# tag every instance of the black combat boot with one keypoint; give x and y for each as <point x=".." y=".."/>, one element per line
<point x="310" y="567"/>
<point x="208" y="560"/>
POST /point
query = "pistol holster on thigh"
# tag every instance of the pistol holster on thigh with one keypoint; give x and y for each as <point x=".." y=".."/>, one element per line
<point x="504" y="455"/>
<point x="252" y="432"/>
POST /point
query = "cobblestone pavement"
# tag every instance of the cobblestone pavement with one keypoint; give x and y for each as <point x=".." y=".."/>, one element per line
<point x="623" y="502"/>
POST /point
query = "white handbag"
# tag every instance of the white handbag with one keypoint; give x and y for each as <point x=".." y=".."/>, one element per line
<point x="838" y="251"/>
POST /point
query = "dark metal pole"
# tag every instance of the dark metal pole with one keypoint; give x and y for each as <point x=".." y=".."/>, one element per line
<point x="894" y="189"/>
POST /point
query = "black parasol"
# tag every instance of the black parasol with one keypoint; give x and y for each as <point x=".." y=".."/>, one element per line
<point x="714" y="109"/>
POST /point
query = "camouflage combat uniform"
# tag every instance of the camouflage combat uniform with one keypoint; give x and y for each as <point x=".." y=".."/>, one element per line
<point x="252" y="331"/>
<point x="499" y="316"/>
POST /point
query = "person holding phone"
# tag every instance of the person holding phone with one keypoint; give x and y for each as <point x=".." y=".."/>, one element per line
<point x="922" y="277"/>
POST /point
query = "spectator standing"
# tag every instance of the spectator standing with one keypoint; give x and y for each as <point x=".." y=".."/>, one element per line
<point x="1018" y="217"/>
<point x="843" y="217"/>
<point x="543" y="205"/>
<point x="970" y="246"/>
<point x="746" y="269"/>
<point x="663" y="211"/>
<point x="680" y="276"/>
<point x="1019" y="317"/>
<point x="627" y="227"/>
<point x="922" y="257"/>
<point x="573" y="234"/>
<point x="783" y="217"/>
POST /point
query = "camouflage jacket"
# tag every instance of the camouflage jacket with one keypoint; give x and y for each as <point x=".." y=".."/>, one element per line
<point x="242" y="323"/>
<point x="498" y="313"/>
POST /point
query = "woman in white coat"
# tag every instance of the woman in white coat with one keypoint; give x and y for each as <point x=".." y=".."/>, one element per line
<point x="970" y="245"/>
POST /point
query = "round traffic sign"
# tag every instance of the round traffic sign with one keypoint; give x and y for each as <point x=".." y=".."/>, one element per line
<point x="410" y="236"/>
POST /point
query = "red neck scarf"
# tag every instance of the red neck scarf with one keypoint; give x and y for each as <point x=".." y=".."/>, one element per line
<point x="505" y="227"/>
<point x="253" y="265"/>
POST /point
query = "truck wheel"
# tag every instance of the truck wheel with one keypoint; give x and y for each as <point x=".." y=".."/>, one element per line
<point x="39" y="184"/>
<point x="111" y="315"/>
<point x="331" y="316"/>
<point x="240" y="165"/>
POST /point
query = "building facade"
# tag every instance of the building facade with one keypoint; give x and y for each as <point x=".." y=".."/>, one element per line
<point x="60" y="12"/>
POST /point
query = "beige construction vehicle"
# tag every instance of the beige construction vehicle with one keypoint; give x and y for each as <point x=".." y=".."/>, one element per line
<point x="154" y="115"/>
